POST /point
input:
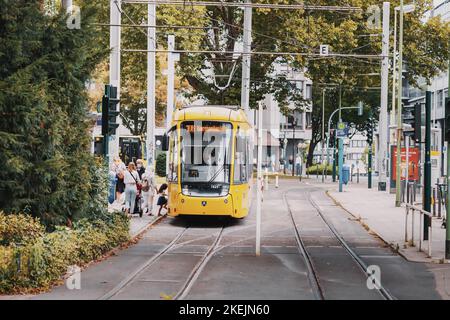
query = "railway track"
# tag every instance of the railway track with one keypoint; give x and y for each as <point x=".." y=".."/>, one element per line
<point x="312" y="273"/>
<point x="192" y="277"/>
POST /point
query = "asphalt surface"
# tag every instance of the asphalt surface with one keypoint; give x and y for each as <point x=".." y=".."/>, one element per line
<point x="214" y="258"/>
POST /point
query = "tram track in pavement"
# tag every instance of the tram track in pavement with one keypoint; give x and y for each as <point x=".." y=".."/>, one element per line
<point x="193" y="275"/>
<point x="313" y="274"/>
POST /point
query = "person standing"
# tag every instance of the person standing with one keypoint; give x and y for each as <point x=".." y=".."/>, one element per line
<point x="131" y="179"/>
<point x="119" y="168"/>
<point x="298" y="164"/>
<point x="140" y="167"/>
<point x="149" y="189"/>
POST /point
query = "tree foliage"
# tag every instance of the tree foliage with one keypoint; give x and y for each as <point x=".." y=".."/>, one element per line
<point x="44" y="129"/>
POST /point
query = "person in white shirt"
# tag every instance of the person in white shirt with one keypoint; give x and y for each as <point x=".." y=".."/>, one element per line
<point x="131" y="179"/>
<point x="149" y="189"/>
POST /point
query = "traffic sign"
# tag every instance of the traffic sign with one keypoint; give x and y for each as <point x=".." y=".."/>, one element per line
<point x="342" y="130"/>
<point x="324" y="49"/>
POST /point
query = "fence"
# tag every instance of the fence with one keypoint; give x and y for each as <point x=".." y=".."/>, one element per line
<point x="411" y="210"/>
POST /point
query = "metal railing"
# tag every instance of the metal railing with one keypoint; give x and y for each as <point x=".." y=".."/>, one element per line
<point x="411" y="209"/>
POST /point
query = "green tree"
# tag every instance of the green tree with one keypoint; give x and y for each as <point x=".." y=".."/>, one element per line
<point x="44" y="130"/>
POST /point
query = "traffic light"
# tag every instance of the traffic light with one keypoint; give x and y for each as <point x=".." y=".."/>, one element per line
<point x="109" y="111"/>
<point x="447" y="119"/>
<point x="409" y="117"/>
<point x="281" y="143"/>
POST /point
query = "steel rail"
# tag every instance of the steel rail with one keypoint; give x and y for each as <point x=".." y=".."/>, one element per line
<point x="195" y="273"/>
<point x="383" y="291"/>
<point x="114" y="291"/>
<point x="312" y="274"/>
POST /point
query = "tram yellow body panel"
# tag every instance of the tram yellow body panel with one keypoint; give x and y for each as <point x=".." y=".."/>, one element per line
<point x="235" y="201"/>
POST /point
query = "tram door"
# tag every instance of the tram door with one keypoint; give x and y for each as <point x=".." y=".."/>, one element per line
<point x="130" y="149"/>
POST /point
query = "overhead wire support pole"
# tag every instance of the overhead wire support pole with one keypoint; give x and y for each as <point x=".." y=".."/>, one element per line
<point x="399" y="111"/>
<point x="383" y="139"/>
<point x="114" y="61"/>
<point x="170" y="86"/>
<point x="246" y="60"/>
<point x="259" y="182"/>
<point x="151" y="85"/>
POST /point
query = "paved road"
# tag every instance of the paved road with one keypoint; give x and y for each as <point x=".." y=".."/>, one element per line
<point x="210" y="258"/>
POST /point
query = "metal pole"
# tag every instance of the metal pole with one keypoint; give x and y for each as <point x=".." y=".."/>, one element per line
<point x="323" y="134"/>
<point x="114" y="63"/>
<point x="341" y="143"/>
<point x="293" y="146"/>
<point x="341" y="162"/>
<point x="427" y="176"/>
<point x="394" y="63"/>
<point x="399" y="113"/>
<point x="407" y="141"/>
<point x="259" y="184"/>
<point x="383" y="127"/>
<point x="447" y="234"/>
<point x="151" y="85"/>
<point x="370" y="168"/>
<point x="170" y="86"/>
<point x="246" y="59"/>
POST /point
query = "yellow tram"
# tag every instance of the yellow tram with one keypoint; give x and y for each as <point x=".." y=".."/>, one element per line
<point x="210" y="162"/>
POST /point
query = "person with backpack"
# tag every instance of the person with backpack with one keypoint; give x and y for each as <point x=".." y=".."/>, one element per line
<point x="131" y="180"/>
<point x="149" y="189"/>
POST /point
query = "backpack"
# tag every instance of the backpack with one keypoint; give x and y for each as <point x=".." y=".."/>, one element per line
<point x="145" y="185"/>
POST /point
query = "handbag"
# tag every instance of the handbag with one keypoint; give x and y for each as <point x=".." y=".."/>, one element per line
<point x="138" y="185"/>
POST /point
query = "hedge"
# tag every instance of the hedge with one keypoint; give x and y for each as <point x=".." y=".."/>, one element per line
<point x="313" y="169"/>
<point x="36" y="263"/>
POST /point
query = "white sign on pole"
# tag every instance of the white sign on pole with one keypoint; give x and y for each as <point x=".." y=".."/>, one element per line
<point x="324" y="49"/>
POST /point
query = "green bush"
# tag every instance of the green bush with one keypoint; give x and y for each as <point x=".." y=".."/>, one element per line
<point x="38" y="264"/>
<point x="319" y="169"/>
<point x="161" y="165"/>
<point x="19" y="228"/>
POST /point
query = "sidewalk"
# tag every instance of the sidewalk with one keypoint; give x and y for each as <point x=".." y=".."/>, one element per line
<point x="137" y="224"/>
<point x="376" y="210"/>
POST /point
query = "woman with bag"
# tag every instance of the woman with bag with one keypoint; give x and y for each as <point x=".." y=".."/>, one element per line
<point x="132" y="182"/>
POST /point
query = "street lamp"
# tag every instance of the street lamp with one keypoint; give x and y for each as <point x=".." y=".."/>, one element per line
<point x="403" y="9"/>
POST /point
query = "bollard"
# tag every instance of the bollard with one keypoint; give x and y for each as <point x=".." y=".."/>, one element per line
<point x="357" y="175"/>
<point x="267" y="180"/>
<point x="276" y="181"/>
<point x="433" y="200"/>
<point x="439" y="198"/>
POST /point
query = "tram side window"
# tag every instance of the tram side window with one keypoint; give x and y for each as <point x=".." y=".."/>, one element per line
<point x="173" y="157"/>
<point x="241" y="160"/>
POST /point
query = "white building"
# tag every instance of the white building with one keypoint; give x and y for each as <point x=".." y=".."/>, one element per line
<point x="282" y="138"/>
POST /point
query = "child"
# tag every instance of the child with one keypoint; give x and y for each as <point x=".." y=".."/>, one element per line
<point x="162" y="200"/>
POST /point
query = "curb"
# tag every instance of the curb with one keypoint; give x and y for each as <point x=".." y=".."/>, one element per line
<point x="395" y="247"/>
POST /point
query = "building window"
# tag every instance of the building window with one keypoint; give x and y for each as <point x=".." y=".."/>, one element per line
<point x="308" y="93"/>
<point x="440" y="99"/>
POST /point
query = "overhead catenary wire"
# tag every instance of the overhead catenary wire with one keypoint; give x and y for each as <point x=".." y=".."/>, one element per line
<point x="307" y="54"/>
<point x="246" y="5"/>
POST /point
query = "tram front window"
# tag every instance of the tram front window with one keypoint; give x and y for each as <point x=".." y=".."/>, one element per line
<point x="205" y="158"/>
